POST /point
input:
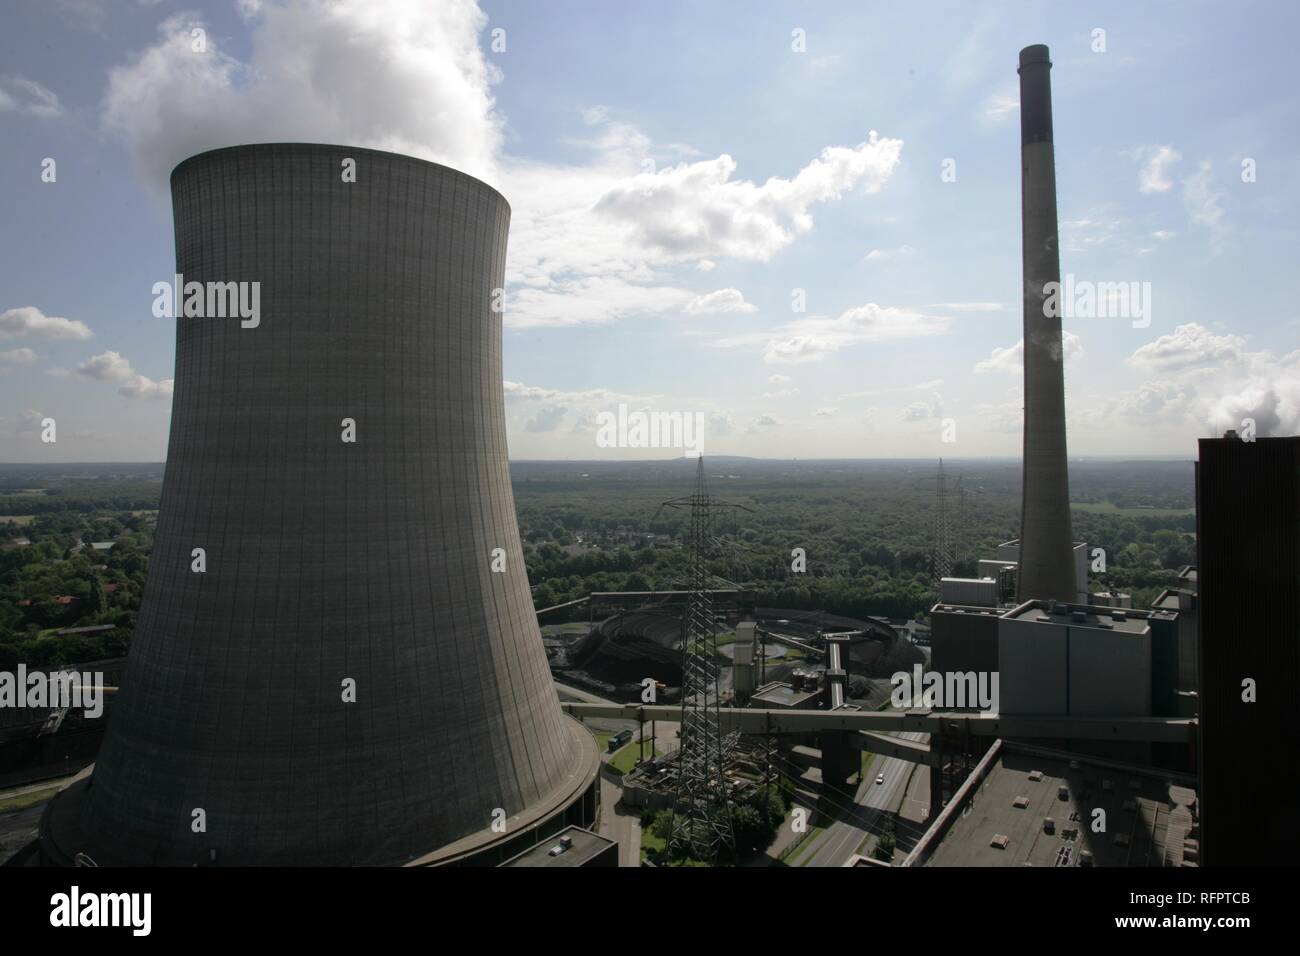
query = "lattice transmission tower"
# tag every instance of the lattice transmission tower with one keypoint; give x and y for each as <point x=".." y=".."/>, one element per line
<point x="702" y="812"/>
<point x="943" y="550"/>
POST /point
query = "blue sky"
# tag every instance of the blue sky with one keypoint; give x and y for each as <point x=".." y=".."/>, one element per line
<point x="677" y="173"/>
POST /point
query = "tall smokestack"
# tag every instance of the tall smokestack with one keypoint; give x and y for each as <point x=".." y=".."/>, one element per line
<point x="1046" y="547"/>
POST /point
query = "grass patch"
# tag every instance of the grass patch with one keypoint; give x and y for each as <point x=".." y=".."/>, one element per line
<point x="792" y="859"/>
<point x="625" y="759"/>
<point x="24" y="800"/>
<point x="21" y="521"/>
<point x="864" y="772"/>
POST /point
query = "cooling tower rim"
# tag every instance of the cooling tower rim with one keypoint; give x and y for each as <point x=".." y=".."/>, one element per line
<point x="61" y="838"/>
<point x="343" y="150"/>
<point x="583" y="771"/>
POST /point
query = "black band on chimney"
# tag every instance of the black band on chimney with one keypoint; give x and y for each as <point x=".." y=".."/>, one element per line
<point x="1035" y="95"/>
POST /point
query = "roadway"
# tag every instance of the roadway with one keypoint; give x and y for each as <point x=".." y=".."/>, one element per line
<point x="872" y="801"/>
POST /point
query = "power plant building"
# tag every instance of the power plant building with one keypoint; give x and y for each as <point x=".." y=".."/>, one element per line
<point x="1069" y="660"/>
<point x="337" y="659"/>
<point x="1248" y="590"/>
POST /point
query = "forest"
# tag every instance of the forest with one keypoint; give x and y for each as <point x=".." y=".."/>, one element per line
<point x="75" y="539"/>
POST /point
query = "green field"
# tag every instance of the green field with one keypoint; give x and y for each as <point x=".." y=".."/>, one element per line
<point x="21" y="520"/>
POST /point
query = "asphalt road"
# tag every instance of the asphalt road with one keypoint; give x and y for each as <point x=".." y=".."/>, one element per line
<point x="842" y="838"/>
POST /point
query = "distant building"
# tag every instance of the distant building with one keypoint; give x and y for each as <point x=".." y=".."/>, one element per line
<point x="976" y="592"/>
<point x="1009" y="553"/>
<point x="964" y="638"/>
<point x="1248" y="552"/>
<point x="1185" y="603"/>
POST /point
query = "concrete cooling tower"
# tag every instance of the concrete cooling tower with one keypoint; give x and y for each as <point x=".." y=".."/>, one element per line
<point x="336" y="659"/>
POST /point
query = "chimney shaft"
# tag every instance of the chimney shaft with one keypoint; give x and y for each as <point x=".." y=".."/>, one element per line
<point x="1046" y="548"/>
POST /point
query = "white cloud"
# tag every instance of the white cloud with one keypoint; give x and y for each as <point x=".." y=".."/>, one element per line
<point x="1002" y="105"/>
<point x="1007" y="416"/>
<point x="922" y="410"/>
<point x="764" y="421"/>
<point x="590" y="300"/>
<point x="29" y="320"/>
<point x="547" y="419"/>
<point x="798" y="348"/>
<point x="21" y="95"/>
<point x="721" y="424"/>
<point x="697" y="210"/>
<point x="1202" y="200"/>
<point x="1209" y="383"/>
<point x="782" y="387"/>
<point x="1188" y="345"/>
<point x="1012" y="358"/>
<point x="140" y="386"/>
<point x="879" y="255"/>
<point x="1154" y="177"/>
<point x="826" y="412"/>
<point x="1098" y="228"/>
<point x="968" y="306"/>
<point x="106" y="367"/>
<point x="17" y="357"/>
<point x="926" y="386"/>
<point x="388" y="74"/>
<point x="814" y="338"/>
<point x="587" y="239"/>
<point x="1274" y="407"/>
<point x="110" y="366"/>
<point x="589" y="243"/>
<point x="517" y="391"/>
<point x="719" y="302"/>
<point x="28" y="422"/>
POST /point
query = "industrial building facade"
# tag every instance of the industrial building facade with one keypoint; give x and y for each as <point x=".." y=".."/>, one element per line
<point x="355" y="675"/>
<point x="1248" y="567"/>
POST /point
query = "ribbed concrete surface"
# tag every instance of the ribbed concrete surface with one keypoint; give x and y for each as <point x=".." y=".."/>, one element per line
<point x="328" y="560"/>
